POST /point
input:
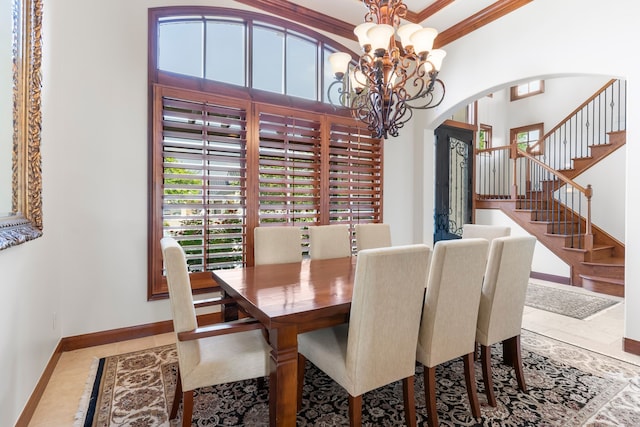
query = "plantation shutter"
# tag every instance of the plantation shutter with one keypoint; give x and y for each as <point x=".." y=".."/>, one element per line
<point x="289" y="168"/>
<point x="355" y="174"/>
<point x="204" y="180"/>
<point x="222" y="166"/>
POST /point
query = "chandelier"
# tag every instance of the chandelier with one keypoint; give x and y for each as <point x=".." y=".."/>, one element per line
<point x="390" y="79"/>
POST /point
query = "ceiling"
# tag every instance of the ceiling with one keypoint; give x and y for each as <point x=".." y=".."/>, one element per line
<point x="452" y="18"/>
<point x="443" y="14"/>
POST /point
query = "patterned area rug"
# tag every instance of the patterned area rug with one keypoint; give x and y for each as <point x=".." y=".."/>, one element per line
<point x="566" y="302"/>
<point x="568" y="386"/>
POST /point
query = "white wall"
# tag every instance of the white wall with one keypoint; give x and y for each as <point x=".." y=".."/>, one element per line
<point x="544" y="261"/>
<point x="400" y="203"/>
<point x="31" y="292"/>
<point x="608" y="202"/>
<point x="89" y="268"/>
<point x="494" y="111"/>
<point x="556" y="103"/>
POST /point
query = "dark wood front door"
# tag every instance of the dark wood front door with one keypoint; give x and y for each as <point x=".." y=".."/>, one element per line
<point x="453" y="192"/>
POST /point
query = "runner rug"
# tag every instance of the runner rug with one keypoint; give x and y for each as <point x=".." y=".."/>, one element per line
<point x="568" y="386"/>
<point x="568" y="303"/>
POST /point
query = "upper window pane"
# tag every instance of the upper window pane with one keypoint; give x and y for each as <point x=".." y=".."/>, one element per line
<point x="302" y="67"/>
<point x="522" y="90"/>
<point x="226" y="40"/>
<point x="534" y="86"/>
<point x="235" y="49"/>
<point x="172" y="55"/>
<point x="268" y="59"/>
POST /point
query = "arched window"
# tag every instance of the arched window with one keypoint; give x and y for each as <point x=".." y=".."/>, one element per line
<point x="241" y="136"/>
<point x="241" y="49"/>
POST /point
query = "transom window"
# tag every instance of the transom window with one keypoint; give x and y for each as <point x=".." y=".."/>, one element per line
<point x="245" y="51"/>
<point x="241" y="137"/>
<point x="534" y="87"/>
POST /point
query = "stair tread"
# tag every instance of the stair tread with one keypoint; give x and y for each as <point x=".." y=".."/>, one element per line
<point x="603" y="279"/>
<point x="606" y="144"/>
<point x="583" y="250"/>
<point x="535" y="221"/>
<point x="614" y="261"/>
<point x="582" y="158"/>
<point x="570" y="235"/>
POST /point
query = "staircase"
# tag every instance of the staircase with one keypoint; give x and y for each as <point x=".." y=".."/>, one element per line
<point x="548" y="204"/>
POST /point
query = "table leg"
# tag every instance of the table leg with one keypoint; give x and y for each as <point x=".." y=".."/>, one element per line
<point x="283" y="381"/>
<point x="229" y="311"/>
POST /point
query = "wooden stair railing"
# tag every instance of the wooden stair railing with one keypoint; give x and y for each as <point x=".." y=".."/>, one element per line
<point x="555" y="209"/>
<point x="535" y="188"/>
<point x="586" y="127"/>
<point x="543" y="190"/>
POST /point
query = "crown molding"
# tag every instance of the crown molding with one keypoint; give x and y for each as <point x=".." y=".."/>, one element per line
<point x="302" y="15"/>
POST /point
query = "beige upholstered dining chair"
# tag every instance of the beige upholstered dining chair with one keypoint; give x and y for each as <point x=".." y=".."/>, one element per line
<point x="489" y="232"/>
<point x="371" y="236"/>
<point x="211" y="355"/>
<point x="329" y="241"/>
<point x="447" y="329"/>
<point x="277" y="245"/>
<point x="378" y="345"/>
<point x="502" y="304"/>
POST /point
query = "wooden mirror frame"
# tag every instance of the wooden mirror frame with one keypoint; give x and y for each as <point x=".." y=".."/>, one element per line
<point x="25" y="221"/>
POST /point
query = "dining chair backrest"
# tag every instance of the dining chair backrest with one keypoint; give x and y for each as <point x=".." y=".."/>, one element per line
<point x="277" y="245"/>
<point x="384" y="320"/>
<point x="505" y="287"/>
<point x="371" y="236"/>
<point x="179" y="284"/>
<point x="451" y="304"/>
<point x="329" y="241"/>
<point x="378" y="344"/>
<point x="489" y="232"/>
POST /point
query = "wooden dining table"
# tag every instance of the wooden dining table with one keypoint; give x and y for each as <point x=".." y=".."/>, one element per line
<point x="289" y="299"/>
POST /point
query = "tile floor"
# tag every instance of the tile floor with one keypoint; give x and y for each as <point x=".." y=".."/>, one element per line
<point x="57" y="408"/>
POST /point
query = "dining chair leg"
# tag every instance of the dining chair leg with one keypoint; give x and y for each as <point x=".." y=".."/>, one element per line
<point x="301" y="364"/>
<point x="470" y="379"/>
<point x="485" y="360"/>
<point x="176" y="397"/>
<point x="355" y="411"/>
<point x="408" y="393"/>
<point x="507" y="356"/>
<point x="187" y="409"/>
<point x="512" y="346"/>
<point x="430" y="396"/>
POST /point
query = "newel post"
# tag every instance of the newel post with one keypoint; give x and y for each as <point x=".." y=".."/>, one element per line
<point x="588" y="238"/>
<point x="514" y="156"/>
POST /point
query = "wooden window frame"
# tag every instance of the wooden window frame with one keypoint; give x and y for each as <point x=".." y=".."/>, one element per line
<point x="539" y="147"/>
<point x="488" y="130"/>
<point x="514" y="91"/>
<point x="348" y="187"/>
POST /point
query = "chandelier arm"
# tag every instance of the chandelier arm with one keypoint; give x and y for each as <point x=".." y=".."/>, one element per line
<point x="401" y="113"/>
<point x="433" y="100"/>
<point x="346" y="99"/>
